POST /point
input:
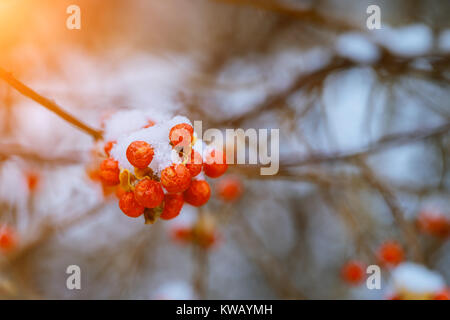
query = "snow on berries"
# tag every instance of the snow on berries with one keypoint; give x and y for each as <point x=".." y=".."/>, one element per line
<point x="411" y="281"/>
<point x="149" y="172"/>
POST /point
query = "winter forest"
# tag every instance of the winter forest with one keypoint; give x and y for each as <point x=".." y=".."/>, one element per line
<point x="110" y="188"/>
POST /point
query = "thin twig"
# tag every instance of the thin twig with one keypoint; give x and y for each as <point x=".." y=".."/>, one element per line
<point x="307" y="15"/>
<point x="389" y="197"/>
<point x="50" y="105"/>
<point x="384" y="142"/>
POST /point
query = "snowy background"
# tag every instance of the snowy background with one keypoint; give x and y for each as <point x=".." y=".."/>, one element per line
<point x="361" y="114"/>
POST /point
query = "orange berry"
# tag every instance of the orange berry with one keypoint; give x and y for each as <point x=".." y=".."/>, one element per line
<point x="353" y="272"/>
<point x="108" y="146"/>
<point x="140" y="154"/>
<point x="109" y="172"/>
<point x="94" y="175"/>
<point x="391" y="253"/>
<point x="215" y="164"/>
<point x="8" y="238"/>
<point x="434" y="223"/>
<point x="176" y="178"/>
<point x="150" y="123"/>
<point x="181" y="135"/>
<point x="130" y="206"/>
<point x="442" y="295"/>
<point x="173" y="203"/>
<point x="149" y="193"/>
<point x="195" y="164"/>
<point x="198" y="193"/>
<point x="229" y="189"/>
<point x="32" y="181"/>
<point x="182" y="234"/>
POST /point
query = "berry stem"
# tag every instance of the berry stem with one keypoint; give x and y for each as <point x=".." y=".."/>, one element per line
<point x="48" y="104"/>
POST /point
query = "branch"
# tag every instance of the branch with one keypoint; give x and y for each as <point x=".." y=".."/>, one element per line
<point x="8" y="150"/>
<point x="389" y="197"/>
<point x="48" y="104"/>
<point x="384" y="142"/>
<point x="307" y="15"/>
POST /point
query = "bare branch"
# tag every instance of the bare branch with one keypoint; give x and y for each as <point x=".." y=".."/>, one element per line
<point x="48" y="104"/>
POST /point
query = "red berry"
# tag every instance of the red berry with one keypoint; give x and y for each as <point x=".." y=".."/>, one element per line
<point x="109" y="172"/>
<point x="108" y="146"/>
<point x="195" y="163"/>
<point x="150" y="123"/>
<point x="390" y="253"/>
<point x="215" y="164"/>
<point x="32" y="181"/>
<point x="130" y="206"/>
<point x="94" y="175"/>
<point x="176" y="178"/>
<point x="442" y="295"/>
<point x="229" y="189"/>
<point x="149" y="193"/>
<point x="353" y="272"/>
<point x="181" y="135"/>
<point x="8" y="238"/>
<point x="182" y="234"/>
<point x="140" y="154"/>
<point x="434" y="223"/>
<point x="172" y="206"/>
<point x="198" y="193"/>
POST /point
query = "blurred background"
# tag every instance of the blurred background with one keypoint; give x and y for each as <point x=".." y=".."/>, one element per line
<point x="364" y="119"/>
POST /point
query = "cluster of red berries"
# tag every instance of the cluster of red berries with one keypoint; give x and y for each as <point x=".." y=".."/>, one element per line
<point x="142" y="192"/>
<point x="8" y="239"/>
<point x="389" y="254"/>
